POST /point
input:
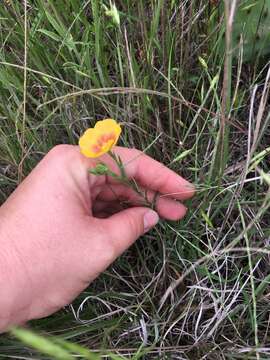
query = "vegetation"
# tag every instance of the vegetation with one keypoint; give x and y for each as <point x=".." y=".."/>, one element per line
<point x="190" y="92"/>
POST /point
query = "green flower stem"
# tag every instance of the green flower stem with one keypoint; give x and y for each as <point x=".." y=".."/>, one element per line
<point x="123" y="178"/>
<point x="102" y="169"/>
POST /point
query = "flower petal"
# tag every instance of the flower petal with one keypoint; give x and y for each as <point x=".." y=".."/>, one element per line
<point x="100" y="139"/>
<point x="87" y="143"/>
<point x="109" y="125"/>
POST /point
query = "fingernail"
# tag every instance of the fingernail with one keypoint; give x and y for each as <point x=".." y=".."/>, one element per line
<point x="150" y="219"/>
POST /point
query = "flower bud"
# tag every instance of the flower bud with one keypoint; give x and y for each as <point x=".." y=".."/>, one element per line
<point x="100" y="169"/>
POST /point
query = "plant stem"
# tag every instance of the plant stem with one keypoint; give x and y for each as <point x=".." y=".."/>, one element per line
<point x="124" y="179"/>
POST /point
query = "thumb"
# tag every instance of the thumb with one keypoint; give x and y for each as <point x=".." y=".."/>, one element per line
<point x="125" y="227"/>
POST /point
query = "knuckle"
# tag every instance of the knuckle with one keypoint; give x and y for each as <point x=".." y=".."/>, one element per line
<point x="109" y="245"/>
<point x="135" y="226"/>
<point x="118" y="241"/>
<point x="111" y="249"/>
<point x="138" y="152"/>
<point x="158" y="180"/>
<point x="59" y="150"/>
<point x="61" y="153"/>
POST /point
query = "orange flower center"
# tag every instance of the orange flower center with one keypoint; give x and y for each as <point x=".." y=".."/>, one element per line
<point x="102" y="141"/>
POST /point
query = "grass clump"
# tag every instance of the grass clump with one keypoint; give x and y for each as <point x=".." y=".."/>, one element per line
<point x="193" y="289"/>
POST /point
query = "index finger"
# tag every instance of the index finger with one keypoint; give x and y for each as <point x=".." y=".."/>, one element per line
<point x="151" y="174"/>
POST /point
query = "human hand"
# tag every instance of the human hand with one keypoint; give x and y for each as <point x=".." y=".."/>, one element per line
<point x="63" y="226"/>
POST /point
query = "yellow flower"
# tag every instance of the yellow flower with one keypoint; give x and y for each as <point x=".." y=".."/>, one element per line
<point x="100" y="139"/>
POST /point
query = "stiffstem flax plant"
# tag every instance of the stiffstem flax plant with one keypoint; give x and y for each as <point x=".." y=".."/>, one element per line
<point x="98" y="141"/>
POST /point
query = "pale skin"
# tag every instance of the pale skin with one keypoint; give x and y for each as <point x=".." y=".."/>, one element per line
<point x="63" y="226"/>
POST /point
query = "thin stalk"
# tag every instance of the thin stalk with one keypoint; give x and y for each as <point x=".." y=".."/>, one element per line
<point x="221" y="153"/>
<point x="20" y="168"/>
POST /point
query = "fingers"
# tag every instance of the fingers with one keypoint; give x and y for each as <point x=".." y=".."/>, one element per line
<point x="148" y="172"/>
<point x="112" y="196"/>
<point x="125" y="227"/>
<point x="151" y="174"/>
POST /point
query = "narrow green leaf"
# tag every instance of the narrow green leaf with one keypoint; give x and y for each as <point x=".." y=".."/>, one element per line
<point x="203" y="62"/>
<point x="182" y="155"/>
<point x="207" y="219"/>
<point x="41" y="343"/>
<point x="50" y="34"/>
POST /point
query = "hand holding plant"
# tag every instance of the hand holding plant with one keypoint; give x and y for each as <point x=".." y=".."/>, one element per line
<point x="63" y="226"/>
